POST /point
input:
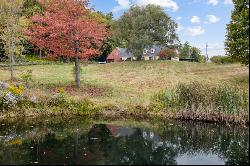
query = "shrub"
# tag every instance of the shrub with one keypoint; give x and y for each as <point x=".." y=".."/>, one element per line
<point x="12" y="98"/>
<point x="167" y="54"/>
<point x="10" y="95"/>
<point x="222" y="60"/>
<point x="59" y="98"/>
<point x="166" y="100"/>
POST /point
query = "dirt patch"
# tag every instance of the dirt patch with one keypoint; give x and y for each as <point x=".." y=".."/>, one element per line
<point x="89" y="90"/>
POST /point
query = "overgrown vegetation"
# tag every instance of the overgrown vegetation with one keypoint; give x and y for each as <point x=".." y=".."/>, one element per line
<point x="201" y="101"/>
<point x="13" y="98"/>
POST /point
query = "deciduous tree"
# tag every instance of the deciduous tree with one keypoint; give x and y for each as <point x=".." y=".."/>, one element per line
<point x="185" y="50"/>
<point x="237" y="42"/>
<point x="168" y="54"/>
<point x="197" y="55"/>
<point x="143" y="27"/>
<point x="66" y="28"/>
<point x="10" y="11"/>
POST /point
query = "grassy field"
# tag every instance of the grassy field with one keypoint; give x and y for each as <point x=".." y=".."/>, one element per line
<point x="127" y="84"/>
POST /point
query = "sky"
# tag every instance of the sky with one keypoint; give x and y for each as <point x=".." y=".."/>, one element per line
<point x="199" y="21"/>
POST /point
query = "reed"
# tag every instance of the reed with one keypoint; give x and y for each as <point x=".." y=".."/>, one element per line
<point x="201" y="101"/>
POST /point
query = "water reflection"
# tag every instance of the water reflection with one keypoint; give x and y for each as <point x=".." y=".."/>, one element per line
<point x="86" y="142"/>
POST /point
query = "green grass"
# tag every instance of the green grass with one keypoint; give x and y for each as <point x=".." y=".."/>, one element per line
<point x="128" y="84"/>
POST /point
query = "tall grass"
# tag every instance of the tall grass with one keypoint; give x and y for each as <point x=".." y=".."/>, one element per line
<point x="202" y="101"/>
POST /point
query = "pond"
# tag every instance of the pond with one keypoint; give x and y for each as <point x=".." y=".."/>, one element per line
<point x="84" y="141"/>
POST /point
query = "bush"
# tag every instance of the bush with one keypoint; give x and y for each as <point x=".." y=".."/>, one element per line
<point x="167" y="54"/>
<point x="59" y="98"/>
<point x="222" y="60"/>
<point x="10" y="95"/>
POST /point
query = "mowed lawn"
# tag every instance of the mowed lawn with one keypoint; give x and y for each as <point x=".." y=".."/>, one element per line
<point x="127" y="83"/>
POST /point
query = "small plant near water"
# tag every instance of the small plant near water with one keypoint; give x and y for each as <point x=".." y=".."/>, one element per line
<point x="59" y="98"/>
<point x="27" y="77"/>
<point x="10" y="95"/>
<point x="201" y="101"/>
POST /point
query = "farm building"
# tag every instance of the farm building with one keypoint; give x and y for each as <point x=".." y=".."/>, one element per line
<point x="122" y="54"/>
<point x="114" y="56"/>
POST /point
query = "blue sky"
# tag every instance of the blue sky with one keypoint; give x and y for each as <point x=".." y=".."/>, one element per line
<point x="200" y="21"/>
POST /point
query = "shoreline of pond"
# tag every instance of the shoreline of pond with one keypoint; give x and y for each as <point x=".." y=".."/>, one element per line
<point x="118" y="114"/>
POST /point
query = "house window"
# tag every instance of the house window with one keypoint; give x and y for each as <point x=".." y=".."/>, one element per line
<point x="152" y="51"/>
<point x="145" y="51"/>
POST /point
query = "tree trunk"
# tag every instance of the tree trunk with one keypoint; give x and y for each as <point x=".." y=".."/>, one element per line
<point x="11" y="60"/>
<point x="77" y="72"/>
<point x="40" y="53"/>
<point x="21" y="53"/>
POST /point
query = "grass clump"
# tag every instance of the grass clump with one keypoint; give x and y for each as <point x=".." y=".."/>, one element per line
<point x="201" y="101"/>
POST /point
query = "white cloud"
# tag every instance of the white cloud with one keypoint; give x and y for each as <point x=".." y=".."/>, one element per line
<point x="178" y="18"/>
<point x="180" y="27"/>
<point x="125" y="4"/>
<point x="213" y="18"/>
<point x="195" y="19"/>
<point x="228" y="2"/>
<point x="163" y="3"/>
<point x="213" y="2"/>
<point x="195" y="31"/>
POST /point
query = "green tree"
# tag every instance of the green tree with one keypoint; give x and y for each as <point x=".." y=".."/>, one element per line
<point x="28" y="9"/>
<point x="142" y="27"/>
<point x="109" y="43"/>
<point x="185" y="50"/>
<point x="196" y="54"/>
<point x="10" y="11"/>
<point x="237" y="42"/>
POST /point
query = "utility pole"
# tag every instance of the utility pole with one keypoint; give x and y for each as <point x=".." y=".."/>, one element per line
<point x="206" y="52"/>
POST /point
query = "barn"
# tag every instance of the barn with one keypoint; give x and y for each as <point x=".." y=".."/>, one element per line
<point x="114" y="56"/>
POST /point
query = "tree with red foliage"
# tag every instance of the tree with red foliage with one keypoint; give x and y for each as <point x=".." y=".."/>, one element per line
<point x="167" y="54"/>
<point x="65" y="28"/>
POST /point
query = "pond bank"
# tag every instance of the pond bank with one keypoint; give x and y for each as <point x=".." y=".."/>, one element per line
<point x="194" y="101"/>
<point x="132" y="115"/>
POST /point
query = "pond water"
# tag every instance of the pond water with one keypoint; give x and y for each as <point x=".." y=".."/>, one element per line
<point x="84" y="141"/>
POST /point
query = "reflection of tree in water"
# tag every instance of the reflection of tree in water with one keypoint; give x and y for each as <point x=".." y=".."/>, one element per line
<point x="130" y="149"/>
<point x="230" y="144"/>
<point x="63" y="143"/>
